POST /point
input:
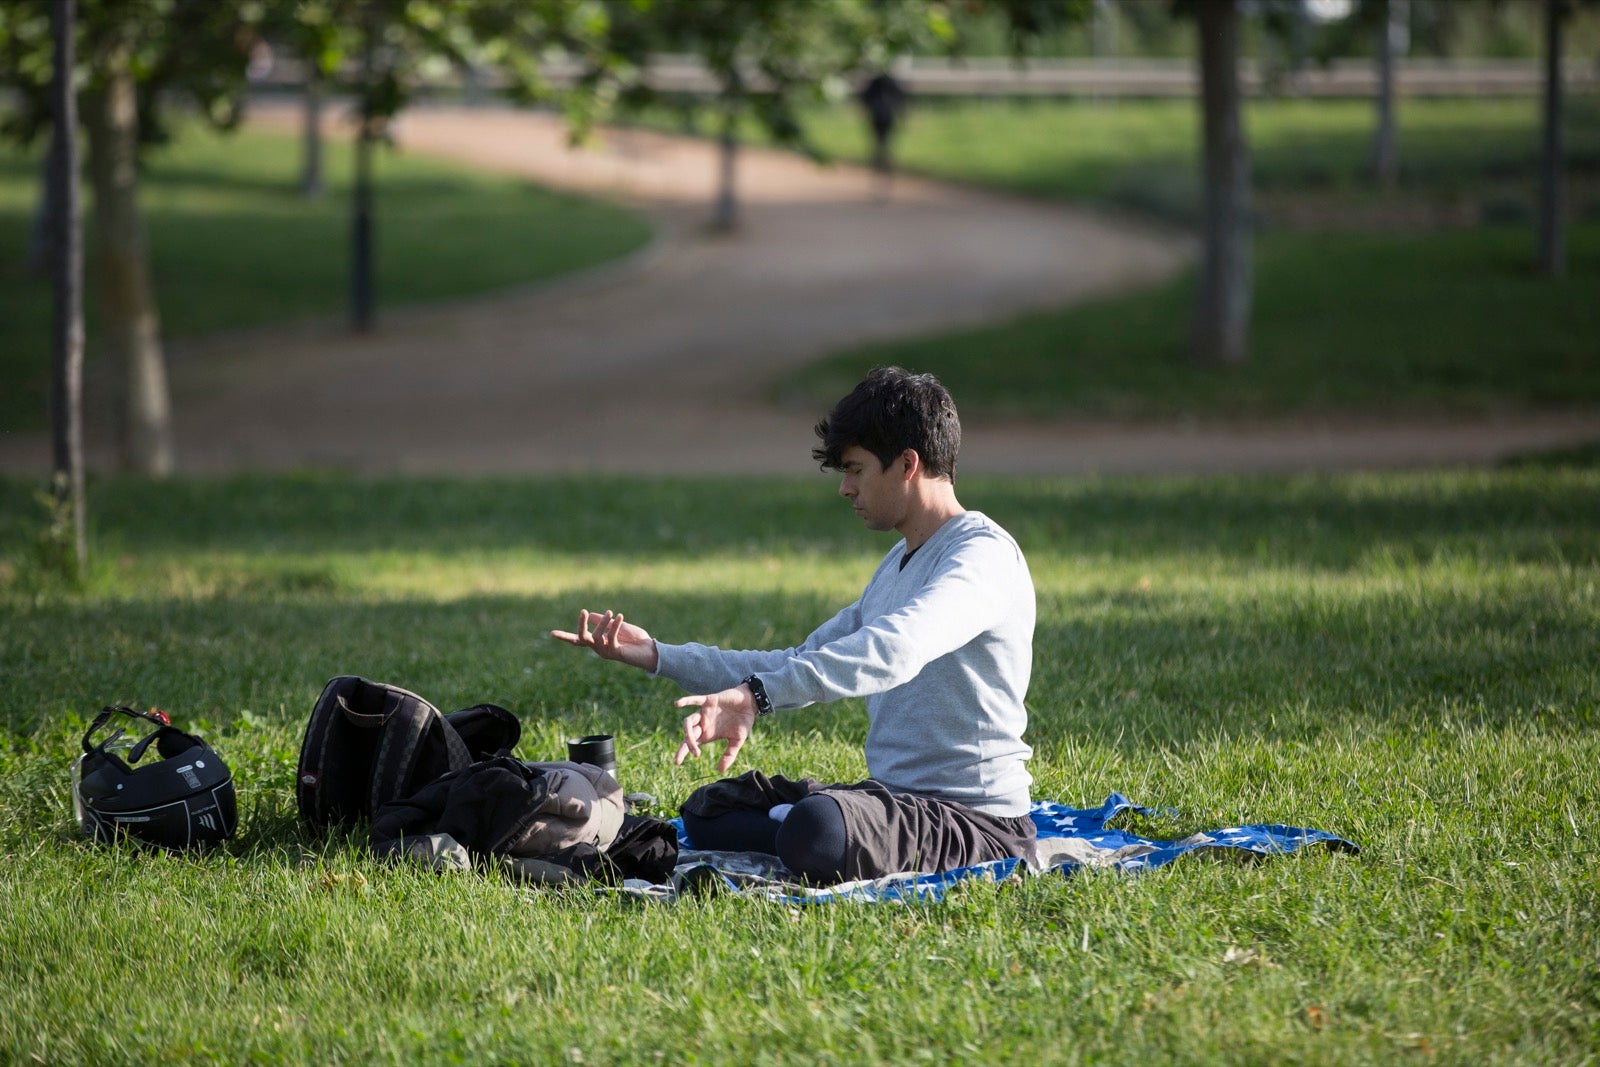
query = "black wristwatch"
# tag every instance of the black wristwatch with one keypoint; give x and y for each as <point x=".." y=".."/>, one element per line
<point x="763" y="702"/>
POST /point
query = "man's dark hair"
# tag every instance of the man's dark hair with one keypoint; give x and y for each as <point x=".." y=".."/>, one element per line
<point x="890" y="411"/>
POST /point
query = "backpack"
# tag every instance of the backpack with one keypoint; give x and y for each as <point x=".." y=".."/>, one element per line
<point x="369" y="743"/>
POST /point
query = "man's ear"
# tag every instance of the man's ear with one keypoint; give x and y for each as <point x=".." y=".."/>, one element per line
<point x="913" y="463"/>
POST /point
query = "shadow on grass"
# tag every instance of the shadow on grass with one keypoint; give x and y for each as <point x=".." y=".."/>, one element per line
<point x="178" y="180"/>
<point x="1130" y="671"/>
<point x="1333" y="523"/>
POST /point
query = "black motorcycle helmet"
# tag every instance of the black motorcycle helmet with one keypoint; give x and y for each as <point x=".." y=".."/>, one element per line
<point x="184" y="801"/>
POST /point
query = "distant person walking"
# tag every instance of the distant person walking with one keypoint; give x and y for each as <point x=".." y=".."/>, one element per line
<point x="884" y="99"/>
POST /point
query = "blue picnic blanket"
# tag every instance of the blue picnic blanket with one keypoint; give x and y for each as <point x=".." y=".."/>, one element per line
<point x="1070" y="839"/>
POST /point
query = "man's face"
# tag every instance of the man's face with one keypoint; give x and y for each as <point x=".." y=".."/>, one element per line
<point x="877" y="494"/>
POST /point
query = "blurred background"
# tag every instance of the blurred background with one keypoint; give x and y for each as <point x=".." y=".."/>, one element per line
<point x="664" y="235"/>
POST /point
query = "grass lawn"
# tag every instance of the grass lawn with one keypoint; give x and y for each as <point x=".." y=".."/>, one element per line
<point x="1407" y="661"/>
<point x="1370" y="312"/>
<point x="234" y="244"/>
<point x="1144" y="154"/>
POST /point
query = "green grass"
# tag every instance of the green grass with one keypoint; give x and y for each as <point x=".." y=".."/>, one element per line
<point x="1454" y="322"/>
<point x="1404" y="660"/>
<point x="234" y="244"/>
<point x="1461" y="157"/>
<point x="1144" y="154"/>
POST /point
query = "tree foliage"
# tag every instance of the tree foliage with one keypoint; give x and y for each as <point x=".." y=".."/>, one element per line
<point x="196" y="49"/>
<point x="771" y="56"/>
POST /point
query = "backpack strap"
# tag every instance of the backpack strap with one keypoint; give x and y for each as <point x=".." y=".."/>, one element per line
<point x="366" y="720"/>
<point x="323" y="801"/>
<point x="408" y="721"/>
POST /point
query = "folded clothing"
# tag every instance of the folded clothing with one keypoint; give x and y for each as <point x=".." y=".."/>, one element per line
<point x="543" y="821"/>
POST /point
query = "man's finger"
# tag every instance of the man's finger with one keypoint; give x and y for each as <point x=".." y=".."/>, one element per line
<point x="729" y="754"/>
<point x="693" y="730"/>
<point x="683" y="754"/>
<point x="565" y="635"/>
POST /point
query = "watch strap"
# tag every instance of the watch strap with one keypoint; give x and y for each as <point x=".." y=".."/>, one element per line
<point x="759" y="691"/>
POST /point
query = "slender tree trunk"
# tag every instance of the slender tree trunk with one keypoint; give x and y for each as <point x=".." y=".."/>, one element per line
<point x="1385" y="152"/>
<point x="1299" y="43"/>
<point x="41" y="243"/>
<point x="725" y="215"/>
<point x="361" y="266"/>
<point x="473" y="91"/>
<point x="1102" y="38"/>
<point x="1102" y="30"/>
<point x="1552" y="193"/>
<point x="311" y="185"/>
<point x="131" y="322"/>
<point x="1220" y="335"/>
<point x="66" y="259"/>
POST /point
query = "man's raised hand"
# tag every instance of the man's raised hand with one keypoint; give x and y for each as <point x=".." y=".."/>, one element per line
<point x="725" y="716"/>
<point x="612" y="638"/>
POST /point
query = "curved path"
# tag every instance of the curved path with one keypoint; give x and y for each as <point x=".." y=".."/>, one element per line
<point x="662" y="363"/>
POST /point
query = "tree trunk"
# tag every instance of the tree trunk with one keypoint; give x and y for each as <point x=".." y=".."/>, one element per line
<point x="66" y="261"/>
<point x="1299" y="45"/>
<point x="131" y="323"/>
<point x="361" y="265"/>
<point x="1220" y="336"/>
<point x="41" y="243"/>
<point x="725" y="215"/>
<point x="474" y="92"/>
<point x="1552" y="194"/>
<point x="1385" y="153"/>
<point x="311" y="185"/>
<point x="361" y="268"/>
<point x="1102" y="39"/>
<point x="1102" y="30"/>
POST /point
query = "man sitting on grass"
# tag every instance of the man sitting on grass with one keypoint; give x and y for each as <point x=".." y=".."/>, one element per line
<point x="940" y="644"/>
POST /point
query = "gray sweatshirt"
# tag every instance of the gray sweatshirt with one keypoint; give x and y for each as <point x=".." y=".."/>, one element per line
<point x="941" y="650"/>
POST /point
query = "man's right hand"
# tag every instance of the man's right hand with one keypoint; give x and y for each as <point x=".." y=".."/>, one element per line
<point x="613" y="638"/>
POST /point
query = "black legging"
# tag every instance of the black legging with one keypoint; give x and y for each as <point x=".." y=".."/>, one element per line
<point x="810" y="841"/>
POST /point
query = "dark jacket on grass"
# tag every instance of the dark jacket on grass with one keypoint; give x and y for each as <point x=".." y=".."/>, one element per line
<point x="542" y="821"/>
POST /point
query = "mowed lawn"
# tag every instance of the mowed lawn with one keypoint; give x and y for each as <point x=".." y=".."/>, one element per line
<point x="1405" y="660"/>
<point x="1145" y="154"/>
<point x="233" y="243"/>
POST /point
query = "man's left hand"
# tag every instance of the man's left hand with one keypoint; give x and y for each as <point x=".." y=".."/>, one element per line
<point x="725" y="716"/>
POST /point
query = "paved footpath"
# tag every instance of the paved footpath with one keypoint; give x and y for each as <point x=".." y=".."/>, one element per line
<point x="664" y="362"/>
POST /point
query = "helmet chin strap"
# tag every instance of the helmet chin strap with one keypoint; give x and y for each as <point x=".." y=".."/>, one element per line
<point x="136" y="753"/>
<point x="154" y="715"/>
